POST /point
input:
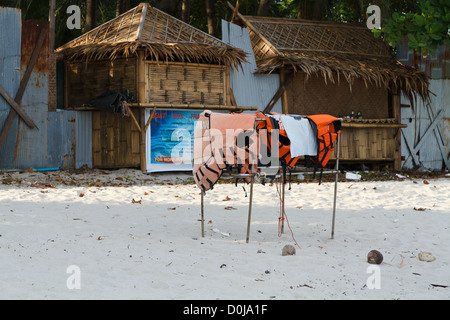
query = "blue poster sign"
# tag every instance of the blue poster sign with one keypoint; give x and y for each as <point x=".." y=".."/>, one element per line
<point x="170" y="140"/>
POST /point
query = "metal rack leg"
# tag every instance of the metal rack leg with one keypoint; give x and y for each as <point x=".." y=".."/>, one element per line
<point x="283" y="189"/>
<point x="202" y="215"/>
<point x="250" y="209"/>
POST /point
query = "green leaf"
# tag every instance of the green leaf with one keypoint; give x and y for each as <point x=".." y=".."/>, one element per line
<point x="420" y="20"/>
<point x="436" y="37"/>
<point x="411" y="37"/>
<point x="376" y="32"/>
<point x="395" y="16"/>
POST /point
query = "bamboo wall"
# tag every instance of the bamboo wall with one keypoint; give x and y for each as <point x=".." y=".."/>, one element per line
<point x="181" y="83"/>
<point x="314" y="96"/>
<point x="367" y="144"/>
<point x="115" y="140"/>
<point x="85" y="81"/>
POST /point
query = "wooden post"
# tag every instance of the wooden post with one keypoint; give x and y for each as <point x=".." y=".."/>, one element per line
<point x="52" y="90"/>
<point x="284" y="98"/>
<point x="51" y="19"/>
<point x="281" y="91"/>
<point x="140" y="77"/>
<point x="397" y="137"/>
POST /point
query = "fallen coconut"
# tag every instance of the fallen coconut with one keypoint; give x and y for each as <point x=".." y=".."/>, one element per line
<point x="374" y="257"/>
<point x="426" y="256"/>
<point x="288" y="250"/>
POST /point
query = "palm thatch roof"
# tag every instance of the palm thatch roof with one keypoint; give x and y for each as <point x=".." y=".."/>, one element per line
<point x="334" y="50"/>
<point x="162" y="36"/>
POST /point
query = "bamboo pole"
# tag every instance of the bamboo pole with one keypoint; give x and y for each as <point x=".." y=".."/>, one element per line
<point x="202" y="218"/>
<point x="283" y="190"/>
<point x="150" y="119"/>
<point x="250" y="208"/>
<point x="335" y="187"/>
<point x="140" y="78"/>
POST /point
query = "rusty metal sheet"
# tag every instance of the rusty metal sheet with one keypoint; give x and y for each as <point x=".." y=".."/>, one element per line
<point x="31" y="29"/>
<point x="10" y="38"/>
<point x="435" y="65"/>
<point x="53" y="144"/>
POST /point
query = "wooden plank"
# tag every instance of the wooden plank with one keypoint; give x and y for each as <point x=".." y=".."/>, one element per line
<point x="17" y="108"/>
<point x="232" y="98"/>
<point x="373" y="125"/>
<point x="287" y="80"/>
<point x="150" y="119"/>
<point x="165" y="105"/>
<point x="134" y="118"/>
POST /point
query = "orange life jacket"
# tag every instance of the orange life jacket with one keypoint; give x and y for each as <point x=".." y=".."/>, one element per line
<point x="327" y="129"/>
<point x="270" y="124"/>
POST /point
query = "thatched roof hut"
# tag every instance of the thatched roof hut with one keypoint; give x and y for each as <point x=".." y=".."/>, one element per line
<point x="163" y="62"/>
<point x="161" y="36"/>
<point x="334" y="50"/>
<point x="339" y="69"/>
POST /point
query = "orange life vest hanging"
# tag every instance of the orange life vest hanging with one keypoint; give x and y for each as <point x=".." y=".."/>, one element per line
<point x="327" y="129"/>
<point x="271" y="124"/>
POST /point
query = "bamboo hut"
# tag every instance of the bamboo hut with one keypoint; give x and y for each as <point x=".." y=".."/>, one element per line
<point x="162" y="61"/>
<point x="339" y="69"/>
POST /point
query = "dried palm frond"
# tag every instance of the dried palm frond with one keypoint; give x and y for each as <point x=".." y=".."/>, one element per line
<point x="162" y="36"/>
<point x="331" y="50"/>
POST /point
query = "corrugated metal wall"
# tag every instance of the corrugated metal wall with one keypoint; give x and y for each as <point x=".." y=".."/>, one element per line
<point x="83" y="134"/>
<point x="10" y="39"/>
<point x="53" y="142"/>
<point x="426" y="140"/>
<point x="249" y="89"/>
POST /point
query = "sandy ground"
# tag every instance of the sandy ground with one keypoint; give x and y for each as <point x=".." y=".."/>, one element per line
<point x="127" y="235"/>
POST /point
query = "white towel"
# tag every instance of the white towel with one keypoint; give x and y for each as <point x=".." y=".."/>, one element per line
<point x="301" y="135"/>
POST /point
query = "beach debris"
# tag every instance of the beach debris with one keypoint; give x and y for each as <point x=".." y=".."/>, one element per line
<point x="438" y="285"/>
<point x="136" y="201"/>
<point x="288" y="250"/>
<point x="226" y="234"/>
<point x="426" y="256"/>
<point x="227" y="198"/>
<point x="352" y="176"/>
<point x="420" y="209"/>
<point x="230" y="208"/>
<point x="374" y="257"/>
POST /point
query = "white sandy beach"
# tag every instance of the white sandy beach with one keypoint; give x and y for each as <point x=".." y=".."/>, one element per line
<point x="136" y="236"/>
